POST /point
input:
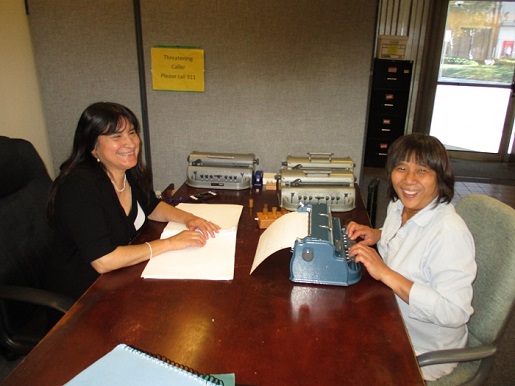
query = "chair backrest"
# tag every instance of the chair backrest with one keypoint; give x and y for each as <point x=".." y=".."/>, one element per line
<point x="24" y="232"/>
<point x="492" y="224"/>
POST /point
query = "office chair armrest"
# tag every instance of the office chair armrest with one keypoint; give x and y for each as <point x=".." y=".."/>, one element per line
<point x="36" y="296"/>
<point x="466" y="354"/>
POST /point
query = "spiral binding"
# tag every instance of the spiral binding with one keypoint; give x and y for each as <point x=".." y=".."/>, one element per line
<point x="162" y="358"/>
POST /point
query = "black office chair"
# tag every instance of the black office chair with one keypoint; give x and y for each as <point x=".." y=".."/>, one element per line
<point x="27" y="310"/>
<point x="492" y="224"/>
<point x="373" y="188"/>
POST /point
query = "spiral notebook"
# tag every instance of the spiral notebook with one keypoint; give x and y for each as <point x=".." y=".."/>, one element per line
<point x="125" y="365"/>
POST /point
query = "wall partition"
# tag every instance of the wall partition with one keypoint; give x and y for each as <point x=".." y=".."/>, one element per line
<point x="280" y="76"/>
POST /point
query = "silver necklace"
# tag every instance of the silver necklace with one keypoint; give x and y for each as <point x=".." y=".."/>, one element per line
<point x="124" y="186"/>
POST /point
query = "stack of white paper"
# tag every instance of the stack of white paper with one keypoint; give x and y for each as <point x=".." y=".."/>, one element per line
<point x="214" y="261"/>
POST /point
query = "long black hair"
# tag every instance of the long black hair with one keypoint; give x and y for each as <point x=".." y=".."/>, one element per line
<point x="101" y="118"/>
<point x="424" y="150"/>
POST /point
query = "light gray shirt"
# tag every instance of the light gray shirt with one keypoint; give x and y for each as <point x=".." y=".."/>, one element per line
<point x="435" y="250"/>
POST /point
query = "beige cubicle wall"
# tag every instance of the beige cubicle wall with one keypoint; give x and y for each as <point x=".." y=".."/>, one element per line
<point x="281" y="76"/>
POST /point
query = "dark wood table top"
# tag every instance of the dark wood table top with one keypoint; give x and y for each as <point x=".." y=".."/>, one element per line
<point x="262" y="327"/>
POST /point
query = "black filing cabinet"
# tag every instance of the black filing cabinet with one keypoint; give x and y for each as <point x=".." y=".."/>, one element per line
<point x="389" y="98"/>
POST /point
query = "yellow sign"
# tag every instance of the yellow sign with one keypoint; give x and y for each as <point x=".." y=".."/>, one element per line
<point x="177" y="68"/>
<point x="392" y="47"/>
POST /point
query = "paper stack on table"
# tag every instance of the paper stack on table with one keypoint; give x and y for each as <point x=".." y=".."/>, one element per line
<point x="214" y="261"/>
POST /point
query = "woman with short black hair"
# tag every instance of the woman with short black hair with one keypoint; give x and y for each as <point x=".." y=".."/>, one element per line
<point x="425" y="252"/>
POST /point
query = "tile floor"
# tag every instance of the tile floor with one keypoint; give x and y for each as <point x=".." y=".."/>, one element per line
<point x="504" y="193"/>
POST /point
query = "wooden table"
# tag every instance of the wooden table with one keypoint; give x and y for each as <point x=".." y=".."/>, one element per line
<point x="262" y="327"/>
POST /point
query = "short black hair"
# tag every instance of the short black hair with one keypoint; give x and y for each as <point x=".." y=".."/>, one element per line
<point x="425" y="150"/>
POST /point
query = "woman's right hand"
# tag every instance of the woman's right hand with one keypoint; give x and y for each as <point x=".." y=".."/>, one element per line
<point x="186" y="239"/>
<point x="368" y="235"/>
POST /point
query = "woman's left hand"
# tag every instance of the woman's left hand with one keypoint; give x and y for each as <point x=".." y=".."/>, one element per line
<point x="207" y="228"/>
<point x="378" y="269"/>
<point x="370" y="259"/>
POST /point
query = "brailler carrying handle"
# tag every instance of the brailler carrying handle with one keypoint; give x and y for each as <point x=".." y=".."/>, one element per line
<point x="319" y="156"/>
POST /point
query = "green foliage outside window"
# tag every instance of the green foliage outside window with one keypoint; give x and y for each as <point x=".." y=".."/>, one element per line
<point x="500" y="71"/>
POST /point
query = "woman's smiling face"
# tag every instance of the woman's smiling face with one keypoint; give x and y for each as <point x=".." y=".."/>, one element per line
<point x="118" y="151"/>
<point x="416" y="185"/>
